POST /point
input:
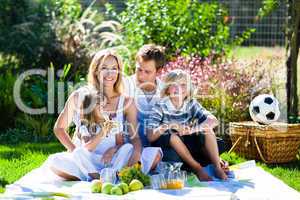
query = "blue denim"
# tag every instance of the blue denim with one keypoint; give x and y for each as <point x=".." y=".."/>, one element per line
<point x="142" y="120"/>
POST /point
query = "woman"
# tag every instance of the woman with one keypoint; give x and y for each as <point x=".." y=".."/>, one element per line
<point x="104" y="76"/>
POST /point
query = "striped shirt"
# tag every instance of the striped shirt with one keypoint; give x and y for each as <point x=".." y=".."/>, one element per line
<point x="164" y="112"/>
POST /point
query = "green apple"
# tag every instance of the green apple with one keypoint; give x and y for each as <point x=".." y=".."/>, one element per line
<point x="106" y="188"/>
<point x="135" y="185"/>
<point x="124" y="187"/>
<point x="116" y="191"/>
<point x="96" y="186"/>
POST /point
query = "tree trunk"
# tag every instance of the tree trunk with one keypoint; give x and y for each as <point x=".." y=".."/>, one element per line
<point x="293" y="45"/>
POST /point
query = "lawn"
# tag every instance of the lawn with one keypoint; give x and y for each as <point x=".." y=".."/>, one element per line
<point x="17" y="160"/>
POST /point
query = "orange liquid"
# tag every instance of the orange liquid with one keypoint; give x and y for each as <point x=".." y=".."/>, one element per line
<point x="173" y="185"/>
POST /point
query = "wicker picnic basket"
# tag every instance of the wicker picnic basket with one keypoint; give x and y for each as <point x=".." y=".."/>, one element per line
<point x="276" y="143"/>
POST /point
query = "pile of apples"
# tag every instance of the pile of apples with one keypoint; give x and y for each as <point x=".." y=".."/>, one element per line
<point x="120" y="189"/>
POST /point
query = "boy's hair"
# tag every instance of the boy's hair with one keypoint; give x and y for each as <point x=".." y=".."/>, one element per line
<point x="175" y="76"/>
<point x="152" y="52"/>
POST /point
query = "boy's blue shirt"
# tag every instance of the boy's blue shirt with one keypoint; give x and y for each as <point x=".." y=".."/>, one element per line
<point x="191" y="112"/>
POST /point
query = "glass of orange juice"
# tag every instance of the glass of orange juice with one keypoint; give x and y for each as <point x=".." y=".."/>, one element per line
<point x="176" y="180"/>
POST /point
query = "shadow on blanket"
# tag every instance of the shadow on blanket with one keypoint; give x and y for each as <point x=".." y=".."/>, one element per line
<point x="181" y="192"/>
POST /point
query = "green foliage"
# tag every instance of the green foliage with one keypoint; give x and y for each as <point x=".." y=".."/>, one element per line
<point x="78" y="39"/>
<point x="185" y="26"/>
<point x="24" y="30"/>
<point x="267" y="7"/>
<point x="127" y="174"/>
<point x="39" y="32"/>
<point x="39" y="126"/>
<point x="7" y="105"/>
<point x="294" y="119"/>
<point x="68" y="8"/>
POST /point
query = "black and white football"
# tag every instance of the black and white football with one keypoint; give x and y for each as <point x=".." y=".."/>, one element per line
<point x="264" y="109"/>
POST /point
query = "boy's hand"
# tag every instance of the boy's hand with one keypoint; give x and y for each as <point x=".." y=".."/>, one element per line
<point x="184" y="130"/>
<point x="181" y="129"/>
<point x="174" y="126"/>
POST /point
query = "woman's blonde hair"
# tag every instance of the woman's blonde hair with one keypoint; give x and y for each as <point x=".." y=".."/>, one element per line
<point x="175" y="76"/>
<point x="96" y="65"/>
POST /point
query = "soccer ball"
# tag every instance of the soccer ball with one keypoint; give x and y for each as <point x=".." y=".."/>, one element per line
<point x="264" y="109"/>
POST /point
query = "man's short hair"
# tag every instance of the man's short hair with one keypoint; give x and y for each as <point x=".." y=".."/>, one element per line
<point x="152" y="52"/>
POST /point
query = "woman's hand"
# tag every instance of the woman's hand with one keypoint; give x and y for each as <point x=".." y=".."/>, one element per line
<point x="107" y="156"/>
<point x="64" y="120"/>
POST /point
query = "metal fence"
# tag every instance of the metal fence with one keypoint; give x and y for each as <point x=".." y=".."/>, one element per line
<point x="269" y="31"/>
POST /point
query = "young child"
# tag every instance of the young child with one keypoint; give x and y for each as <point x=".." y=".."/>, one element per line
<point x="94" y="132"/>
<point x="92" y="122"/>
<point x="181" y="123"/>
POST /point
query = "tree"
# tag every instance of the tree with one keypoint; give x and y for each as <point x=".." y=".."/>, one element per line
<point x="292" y="48"/>
<point x="293" y="45"/>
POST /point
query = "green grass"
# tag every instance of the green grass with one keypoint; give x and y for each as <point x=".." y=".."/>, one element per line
<point x="17" y="160"/>
<point x="245" y="53"/>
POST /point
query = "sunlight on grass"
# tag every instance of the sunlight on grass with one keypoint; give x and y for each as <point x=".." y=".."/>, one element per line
<point x="16" y="161"/>
<point x="258" y="52"/>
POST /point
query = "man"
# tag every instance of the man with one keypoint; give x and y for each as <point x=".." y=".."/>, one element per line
<point x="145" y="87"/>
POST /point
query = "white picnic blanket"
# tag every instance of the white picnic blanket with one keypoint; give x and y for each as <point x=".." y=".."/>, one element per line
<point x="250" y="183"/>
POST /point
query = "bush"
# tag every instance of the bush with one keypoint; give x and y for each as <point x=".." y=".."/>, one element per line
<point x="78" y="39"/>
<point x="225" y="88"/>
<point x="25" y="31"/>
<point x="7" y="104"/>
<point x="58" y="31"/>
<point x="188" y="27"/>
<point x="20" y="135"/>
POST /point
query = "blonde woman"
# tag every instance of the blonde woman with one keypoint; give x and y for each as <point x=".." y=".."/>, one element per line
<point x="105" y="77"/>
<point x="181" y="123"/>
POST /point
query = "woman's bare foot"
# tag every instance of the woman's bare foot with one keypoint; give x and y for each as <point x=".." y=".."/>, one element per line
<point x="220" y="173"/>
<point x="64" y="175"/>
<point x="203" y="176"/>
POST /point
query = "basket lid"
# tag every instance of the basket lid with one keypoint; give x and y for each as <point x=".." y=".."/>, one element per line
<point x="276" y="125"/>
